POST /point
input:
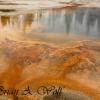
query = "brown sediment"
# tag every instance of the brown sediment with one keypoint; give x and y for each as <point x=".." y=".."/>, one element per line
<point x="72" y="61"/>
<point x="30" y="63"/>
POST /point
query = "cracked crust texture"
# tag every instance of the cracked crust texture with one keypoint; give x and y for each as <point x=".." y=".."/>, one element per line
<point x="37" y="64"/>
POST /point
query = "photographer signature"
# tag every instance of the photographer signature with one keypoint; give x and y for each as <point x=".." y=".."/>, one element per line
<point x="42" y="90"/>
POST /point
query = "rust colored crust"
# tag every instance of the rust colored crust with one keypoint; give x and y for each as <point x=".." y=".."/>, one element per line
<point x="13" y="73"/>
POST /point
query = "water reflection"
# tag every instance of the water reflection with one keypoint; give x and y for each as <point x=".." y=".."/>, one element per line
<point x="87" y="22"/>
<point x="83" y="22"/>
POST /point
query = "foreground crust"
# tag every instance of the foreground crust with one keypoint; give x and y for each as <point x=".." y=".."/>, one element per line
<point x="39" y="63"/>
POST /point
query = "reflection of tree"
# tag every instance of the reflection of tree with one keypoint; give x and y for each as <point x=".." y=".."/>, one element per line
<point x="93" y="15"/>
<point x="28" y="21"/>
<point x="20" y="21"/>
<point x="5" y="20"/>
<point x="67" y="21"/>
<point x="86" y="19"/>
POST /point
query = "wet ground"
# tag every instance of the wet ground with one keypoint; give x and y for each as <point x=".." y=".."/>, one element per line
<point x="51" y="42"/>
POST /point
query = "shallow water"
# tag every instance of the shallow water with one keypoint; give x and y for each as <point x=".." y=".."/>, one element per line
<point x="49" y="20"/>
<point x="54" y="25"/>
